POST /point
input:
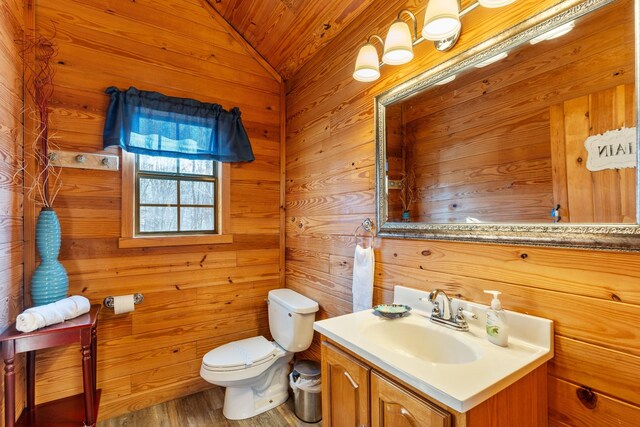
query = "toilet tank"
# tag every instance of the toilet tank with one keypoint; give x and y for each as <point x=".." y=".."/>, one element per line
<point x="291" y="317"/>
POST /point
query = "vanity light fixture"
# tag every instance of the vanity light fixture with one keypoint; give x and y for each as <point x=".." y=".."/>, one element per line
<point x="398" y="46"/>
<point x="441" y="20"/>
<point x="491" y="60"/>
<point x="367" y="65"/>
<point x="441" y="25"/>
<point x="555" y="33"/>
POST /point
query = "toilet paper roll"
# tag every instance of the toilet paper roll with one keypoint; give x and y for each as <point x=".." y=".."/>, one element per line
<point x="123" y="304"/>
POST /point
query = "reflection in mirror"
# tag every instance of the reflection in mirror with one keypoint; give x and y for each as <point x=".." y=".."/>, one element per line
<point x="504" y="142"/>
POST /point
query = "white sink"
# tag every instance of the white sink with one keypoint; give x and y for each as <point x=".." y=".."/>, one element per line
<point x="420" y="342"/>
<point x="459" y="369"/>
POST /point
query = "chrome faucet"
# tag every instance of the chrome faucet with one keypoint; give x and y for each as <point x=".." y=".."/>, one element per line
<point x="445" y="316"/>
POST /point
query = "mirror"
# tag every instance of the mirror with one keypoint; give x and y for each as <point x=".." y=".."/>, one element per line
<point x="528" y="138"/>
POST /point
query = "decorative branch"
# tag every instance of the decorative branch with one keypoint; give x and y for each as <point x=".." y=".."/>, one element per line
<point x="46" y="181"/>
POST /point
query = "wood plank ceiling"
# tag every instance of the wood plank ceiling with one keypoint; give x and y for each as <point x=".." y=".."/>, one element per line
<point x="287" y="33"/>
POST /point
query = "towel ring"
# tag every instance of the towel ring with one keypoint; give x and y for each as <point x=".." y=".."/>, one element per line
<point x="367" y="226"/>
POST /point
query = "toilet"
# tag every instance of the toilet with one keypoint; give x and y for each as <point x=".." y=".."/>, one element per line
<point x="254" y="370"/>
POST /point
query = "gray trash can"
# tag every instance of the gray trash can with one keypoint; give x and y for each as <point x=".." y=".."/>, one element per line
<point x="306" y="385"/>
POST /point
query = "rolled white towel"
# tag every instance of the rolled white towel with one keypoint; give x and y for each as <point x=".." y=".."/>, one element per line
<point x="27" y="322"/>
<point x="38" y="317"/>
<point x="83" y="305"/>
<point x="65" y="307"/>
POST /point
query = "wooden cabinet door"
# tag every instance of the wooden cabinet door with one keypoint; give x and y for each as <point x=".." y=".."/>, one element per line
<point x="393" y="406"/>
<point x="345" y="389"/>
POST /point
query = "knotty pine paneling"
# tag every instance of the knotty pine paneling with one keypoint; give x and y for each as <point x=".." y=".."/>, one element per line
<point x="196" y="297"/>
<point x="610" y="197"/>
<point x="491" y="160"/>
<point x="592" y="296"/>
<point x="288" y="33"/>
<point x="399" y="160"/>
<point x="12" y="21"/>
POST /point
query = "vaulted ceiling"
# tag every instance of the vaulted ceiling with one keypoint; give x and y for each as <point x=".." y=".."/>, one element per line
<point x="287" y="33"/>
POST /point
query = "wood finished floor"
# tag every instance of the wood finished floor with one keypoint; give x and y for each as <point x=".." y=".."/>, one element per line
<point x="203" y="409"/>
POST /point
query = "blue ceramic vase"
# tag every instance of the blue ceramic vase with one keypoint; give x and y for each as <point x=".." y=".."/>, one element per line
<point x="50" y="282"/>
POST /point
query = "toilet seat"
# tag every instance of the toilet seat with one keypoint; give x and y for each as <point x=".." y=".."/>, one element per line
<point x="240" y="355"/>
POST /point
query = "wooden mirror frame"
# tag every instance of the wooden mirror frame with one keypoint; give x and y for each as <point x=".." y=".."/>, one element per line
<point x="621" y="237"/>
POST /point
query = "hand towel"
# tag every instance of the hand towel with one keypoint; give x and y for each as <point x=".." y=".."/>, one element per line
<point x="362" y="288"/>
<point x="38" y="317"/>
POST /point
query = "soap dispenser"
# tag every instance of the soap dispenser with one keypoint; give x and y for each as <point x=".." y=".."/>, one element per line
<point x="497" y="328"/>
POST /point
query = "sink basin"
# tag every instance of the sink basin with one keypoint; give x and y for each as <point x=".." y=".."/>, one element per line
<point x="422" y="342"/>
<point x="458" y="369"/>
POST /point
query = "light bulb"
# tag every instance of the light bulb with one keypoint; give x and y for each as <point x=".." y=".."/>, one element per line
<point x="491" y="60"/>
<point x="555" y="33"/>
<point x="445" y="80"/>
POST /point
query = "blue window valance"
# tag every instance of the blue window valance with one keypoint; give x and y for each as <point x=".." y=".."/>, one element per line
<point x="154" y="124"/>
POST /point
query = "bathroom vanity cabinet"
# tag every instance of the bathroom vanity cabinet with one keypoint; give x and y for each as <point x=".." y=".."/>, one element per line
<point x="345" y="388"/>
<point x="357" y="393"/>
<point x="393" y="405"/>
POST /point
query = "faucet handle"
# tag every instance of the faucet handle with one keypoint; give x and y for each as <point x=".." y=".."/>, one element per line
<point x="436" y="309"/>
<point x="466" y="313"/>
<point x="435" y="312"/>
<point x="460" y="319"/>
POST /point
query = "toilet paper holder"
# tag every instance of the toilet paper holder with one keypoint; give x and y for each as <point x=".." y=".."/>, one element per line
<point x="137" y="299"/>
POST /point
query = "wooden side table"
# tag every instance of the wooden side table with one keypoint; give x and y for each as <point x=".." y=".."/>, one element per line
<point x="62" y="412"/>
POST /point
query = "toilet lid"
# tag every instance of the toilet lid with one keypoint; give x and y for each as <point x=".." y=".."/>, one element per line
<point x="240" y="354"/>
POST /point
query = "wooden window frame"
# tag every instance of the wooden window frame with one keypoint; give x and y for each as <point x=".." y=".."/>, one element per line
<point x="178" y="178"/>
<point x="128" y="237"/>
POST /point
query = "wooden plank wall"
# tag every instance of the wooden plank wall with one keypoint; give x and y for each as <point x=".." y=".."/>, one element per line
<point x="395" y="159"/>
<point x="497" y="176"/>
<point x="493" y="170"/>
<point x="481" y="144"/>
<point x="609" y="195"/>
<point x="592" y="296"/>
<point x="11" y="140"/>
<point x="196" y="297"/>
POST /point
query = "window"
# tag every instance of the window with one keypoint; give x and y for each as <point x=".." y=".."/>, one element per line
<point x="167" y="201"/>
<point x="174" y="202"/>
<point x="175" y="196"/>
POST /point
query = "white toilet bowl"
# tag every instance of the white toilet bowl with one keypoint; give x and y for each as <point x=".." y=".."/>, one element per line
<point x="256" y="385"/>
<point x="255" y="370"/>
